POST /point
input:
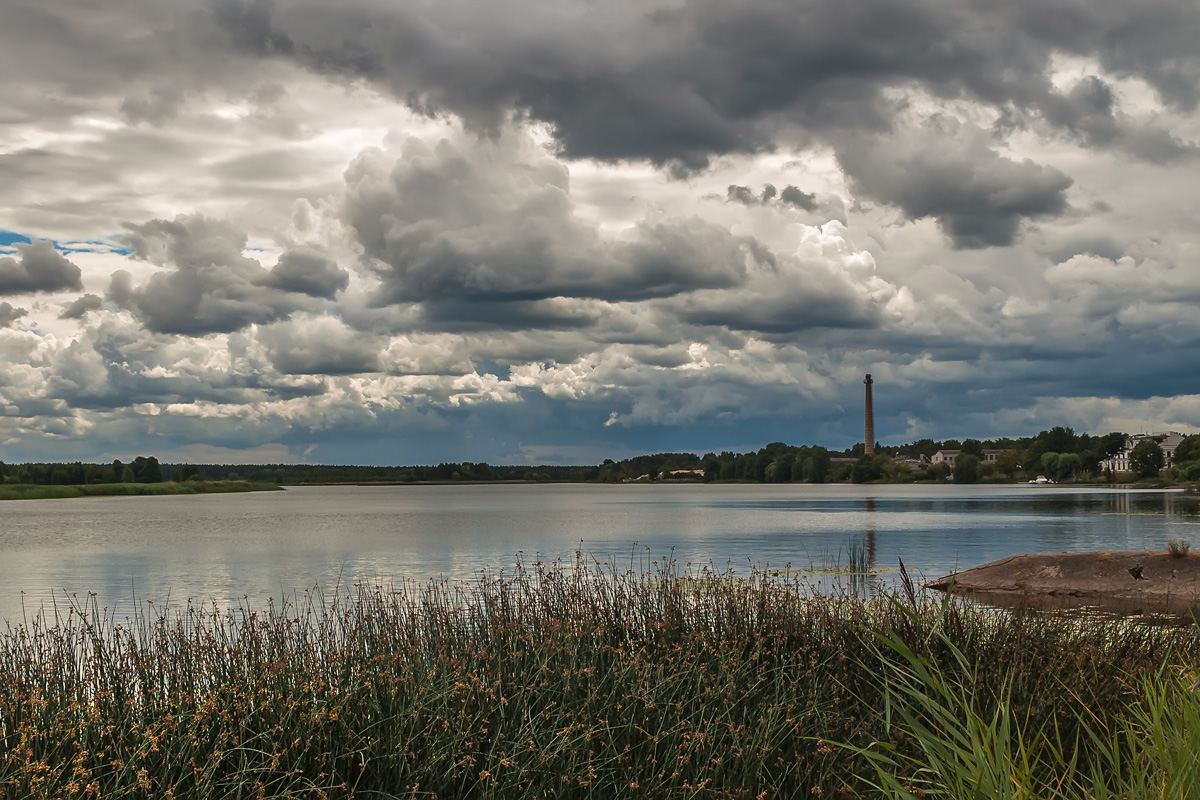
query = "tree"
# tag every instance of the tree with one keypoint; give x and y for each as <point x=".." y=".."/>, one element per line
<point x="1068" y="466"/>
<point x="146" y="470"/>
<point x="966" y="468"/>
<point x="780" y="470"/>
<point x="1058" y="439"/>
<point x="816" y="468"/>
<point x="1147" y="459"/>
<point x="972" y="447"/>
<point x="1008" y="462"/>
<point x="1111" y="444"/>
<point x="939" y="471"/>
<point x="1048" y="465"/>
<point x="1188" y="449"/>
<point x="868" y="468"/>
<point x="761" y="462"/>
<point x="1032" y="456"/>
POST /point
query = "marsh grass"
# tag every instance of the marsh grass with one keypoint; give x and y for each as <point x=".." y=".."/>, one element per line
<point x="962" y="746"/>
<point x="574" y="680"/>
<point x="30" y="491"/>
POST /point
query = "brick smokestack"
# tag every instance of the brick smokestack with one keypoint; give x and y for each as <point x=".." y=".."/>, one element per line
<point x="869" y="433"/>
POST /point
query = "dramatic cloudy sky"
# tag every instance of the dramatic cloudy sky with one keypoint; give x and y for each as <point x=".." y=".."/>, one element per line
<point x="407" y="231"/>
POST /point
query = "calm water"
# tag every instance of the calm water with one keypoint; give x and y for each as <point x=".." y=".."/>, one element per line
<point x="257" y="546"/>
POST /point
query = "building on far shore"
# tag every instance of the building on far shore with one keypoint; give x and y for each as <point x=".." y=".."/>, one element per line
<point x="948" y="457"/>
<point x="1167" y="440"/>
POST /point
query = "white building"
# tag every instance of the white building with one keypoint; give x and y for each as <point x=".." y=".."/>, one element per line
<point x="1168" y="441"/>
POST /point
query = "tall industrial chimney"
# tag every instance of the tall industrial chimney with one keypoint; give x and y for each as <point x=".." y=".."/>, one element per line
<point x="869" y="441"/>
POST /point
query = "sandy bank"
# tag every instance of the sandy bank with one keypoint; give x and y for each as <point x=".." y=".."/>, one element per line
<point x="1134" y="582"/>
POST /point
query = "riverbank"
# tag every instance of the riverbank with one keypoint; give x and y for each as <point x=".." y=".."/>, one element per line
<point x="29" y="491"/>
<point x="587" y="682"/>
<point x="1127" y="582"/>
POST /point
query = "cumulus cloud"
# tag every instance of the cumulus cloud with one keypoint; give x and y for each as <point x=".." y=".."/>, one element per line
<point x="308" y="271"/>
<point x="9" y="315"/>
<point x="1091" y="110"/>
<point x="825" y="284"/>
<point x="41" y="268"/>
<point x="978" y="196"/>
<point x="679" y="83"/>
<point x="790" y="196"/>
<point x="214" y="287"/>
<point x="455" y="227"/>
<point x="81" y="306"/>
<point x="488" y="236"/>
<point x="321" y="346"/>
<point x="541" y="247"/>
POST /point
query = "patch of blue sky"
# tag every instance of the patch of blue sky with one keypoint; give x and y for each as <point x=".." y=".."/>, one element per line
<point x="8" y="239"/>
<point x="111" y="244"/>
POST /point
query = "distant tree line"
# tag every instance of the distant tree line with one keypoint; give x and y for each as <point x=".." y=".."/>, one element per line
<point x="143" y="469"/>
<point x="466" y="472"/>
<point x="1059" y="453"/>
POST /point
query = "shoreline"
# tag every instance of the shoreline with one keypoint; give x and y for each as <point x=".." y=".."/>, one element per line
<point x="1127" y="582"/>
<point x="33" y="491"/>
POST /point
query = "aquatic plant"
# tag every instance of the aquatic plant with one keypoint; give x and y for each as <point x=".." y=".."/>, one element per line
<point x="552" y="680"/>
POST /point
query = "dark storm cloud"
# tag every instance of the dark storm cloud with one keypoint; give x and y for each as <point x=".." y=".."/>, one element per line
<point x="214" y="288"/>
<point x="794" y="197"/>
<point x="309" y="272"/>
<point x="455" y="226"/>
<point x="790" y="195"/>
<point x="680" y="84"/>
<point x="320" y="347"/>
<point x="81" y="306"/>
<point x="977" y="196"/>
<point x="1090" y="110"/>
<point x="40" y="269"/>
<point x="9" y="315"/>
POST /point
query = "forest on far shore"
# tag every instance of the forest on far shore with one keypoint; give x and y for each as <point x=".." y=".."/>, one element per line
<point x="1059" y="454"/>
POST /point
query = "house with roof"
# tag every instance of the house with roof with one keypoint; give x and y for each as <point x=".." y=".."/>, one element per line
<point x="948" y="457"/>
<point x="1167" y="440"/>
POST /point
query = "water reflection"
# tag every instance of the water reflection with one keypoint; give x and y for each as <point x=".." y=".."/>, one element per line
<point x="229" y="548"/>
<point x="870" y="537"/>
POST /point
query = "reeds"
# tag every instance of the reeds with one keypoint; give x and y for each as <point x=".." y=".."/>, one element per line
<point x="961" y="746"/>
<point x="551" y="681"/>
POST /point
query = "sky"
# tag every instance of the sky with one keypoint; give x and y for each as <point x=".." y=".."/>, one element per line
<point x="558" y="231"/>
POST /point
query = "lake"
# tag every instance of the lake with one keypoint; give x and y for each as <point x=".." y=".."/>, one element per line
<point x="234" y="547"/>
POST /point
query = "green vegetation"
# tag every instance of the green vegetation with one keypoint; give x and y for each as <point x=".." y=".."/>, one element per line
<point x="591" y="682"/>
<point x="1059" y="453"/>
<point x="972" y="748"/>
<point x="966" y="468"/>
<point x="1186" y="464"/>
<point x="1147" y="459"/>
<point x="28" y="491"/>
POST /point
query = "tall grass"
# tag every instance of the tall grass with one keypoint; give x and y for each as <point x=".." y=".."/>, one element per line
<point x="960" y="746"/>
<point x="550" y="681"/>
